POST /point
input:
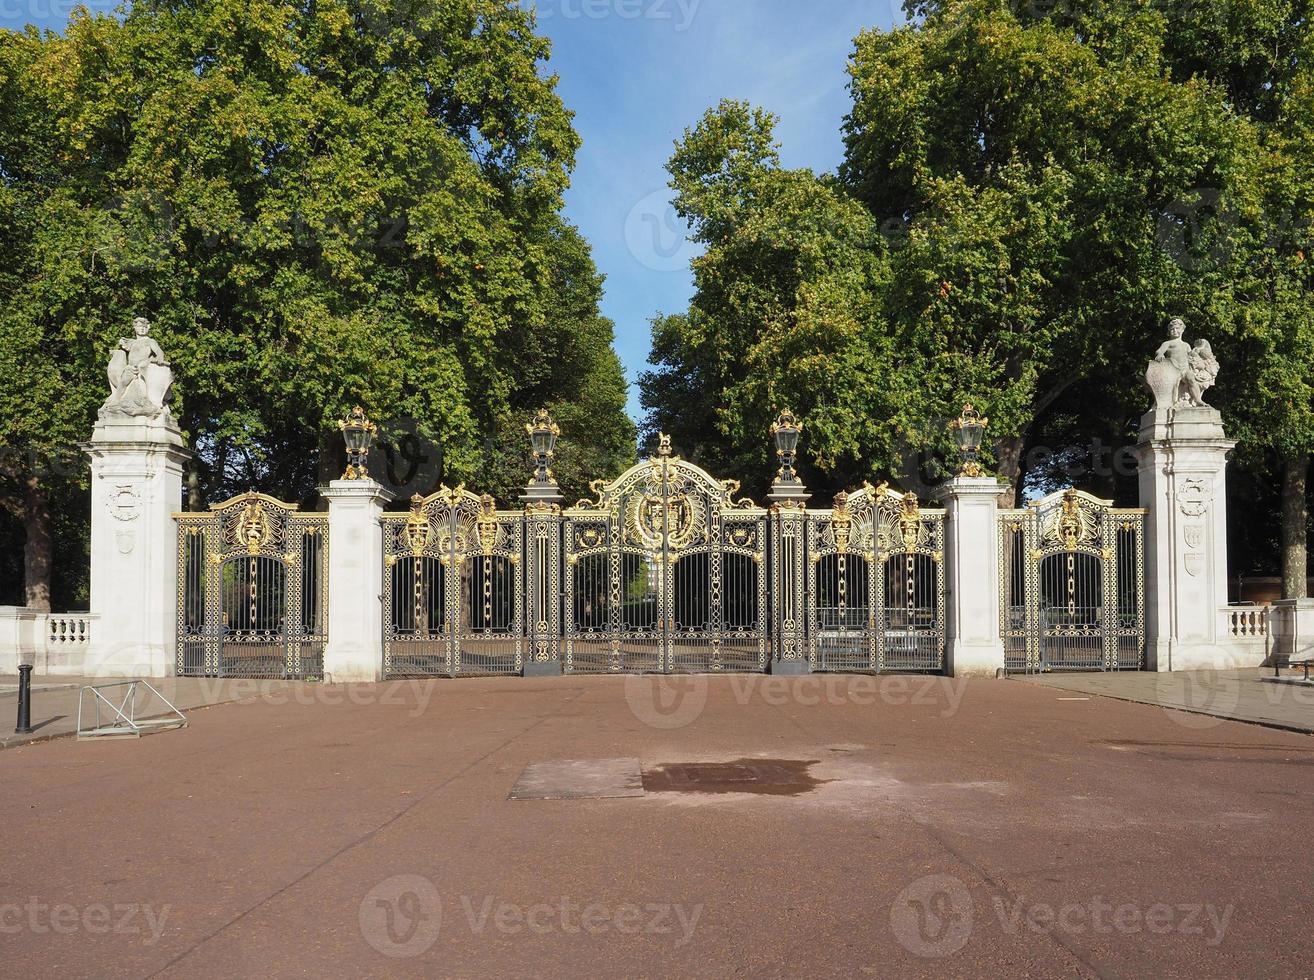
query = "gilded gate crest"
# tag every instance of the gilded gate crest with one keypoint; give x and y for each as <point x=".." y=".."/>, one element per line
<point x="253" y="527"/>
<point x="1072" y="525"/>
<point x="652" y="520"/>
<point x="417" y="530"/>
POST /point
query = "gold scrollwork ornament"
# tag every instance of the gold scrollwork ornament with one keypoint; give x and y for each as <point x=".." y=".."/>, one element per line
<point x="253" y="526"/>
<point x="417" y="531"/>
<point x="486" y="526"/>
<point x="841" y="522"/>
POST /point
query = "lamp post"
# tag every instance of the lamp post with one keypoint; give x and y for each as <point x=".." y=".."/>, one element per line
<point x="543" y="434"/>
<point x="968" y="430"/>
<point x="358" y="433"/>
<point x="786" y="431"/>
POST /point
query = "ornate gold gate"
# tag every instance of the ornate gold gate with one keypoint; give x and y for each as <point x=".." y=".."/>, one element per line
<point x="453" y="589"/>
<point x="876" y="592"/>
<point x="252" y="590"/>
<point x="664" y="573"/>
<point x="1072" y="585"/>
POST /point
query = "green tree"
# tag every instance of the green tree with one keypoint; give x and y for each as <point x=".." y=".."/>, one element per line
<point x="1035" y="167"/>
<point x="355" y="201"/>
<point x="785" y="313"/>
<point x="996" y="234"/>
<point x="1242" y="231"/>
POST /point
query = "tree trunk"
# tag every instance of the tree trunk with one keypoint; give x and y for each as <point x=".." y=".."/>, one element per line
<point x="1009" y="452"/>
<point x="195" y="501"/>
<point x="36" y="551"/>
<point x="1295" y="528"/>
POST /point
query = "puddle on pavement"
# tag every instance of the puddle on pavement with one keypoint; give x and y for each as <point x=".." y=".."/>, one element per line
<point x="763" y="777"/>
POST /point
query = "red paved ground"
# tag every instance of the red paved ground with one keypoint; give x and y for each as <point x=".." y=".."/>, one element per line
<point x="268" y="836"/>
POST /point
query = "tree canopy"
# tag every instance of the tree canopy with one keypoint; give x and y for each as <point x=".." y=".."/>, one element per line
<point x="1029" y="193"/>
<point x="348" y="202"/>
<point x="1017" y="182"/>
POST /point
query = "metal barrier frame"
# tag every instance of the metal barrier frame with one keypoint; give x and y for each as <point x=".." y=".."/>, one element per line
<point x="124" y="714"/>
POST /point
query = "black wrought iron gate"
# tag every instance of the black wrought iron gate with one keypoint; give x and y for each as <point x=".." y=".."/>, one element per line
<point x="252" y="590"/>
<point x="665" y="573"/>
<point x="453" y="587"/>
<point x="876" y="592"/>
<point x="1072" y="585"/>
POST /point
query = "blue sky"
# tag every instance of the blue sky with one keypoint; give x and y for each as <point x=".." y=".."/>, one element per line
<point x="637" y="73"/>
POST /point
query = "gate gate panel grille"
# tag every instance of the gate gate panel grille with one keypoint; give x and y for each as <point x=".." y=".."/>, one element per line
<point x="664" y="573"/>
<point x="252" y="590"/>
<point x="453" y="587"/>
<point x="1072" y="585"/>
<point x="875" y="589"/>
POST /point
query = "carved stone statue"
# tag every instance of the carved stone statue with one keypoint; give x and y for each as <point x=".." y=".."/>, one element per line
<point x="1180" y="374"/>
<point x="139" y="376"/>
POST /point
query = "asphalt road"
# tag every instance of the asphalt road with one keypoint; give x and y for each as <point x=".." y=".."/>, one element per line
<point x="849" y="826"/>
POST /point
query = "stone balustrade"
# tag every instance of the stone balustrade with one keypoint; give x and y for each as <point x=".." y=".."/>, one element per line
<point x="1244" y="622"/>
<point x="54" y="643"/>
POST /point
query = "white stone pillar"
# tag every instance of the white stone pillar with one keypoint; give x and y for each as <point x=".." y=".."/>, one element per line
<point x="136" y="487"/>
<point x="1291" y="624"/>
<point x="18" y="640"/>
<point x="1182" y="455"/>
<point x="355" y="581"/>
<point x="972" y="568"/>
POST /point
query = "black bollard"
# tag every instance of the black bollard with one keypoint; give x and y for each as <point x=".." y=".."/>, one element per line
<point x="24" y="700"/>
